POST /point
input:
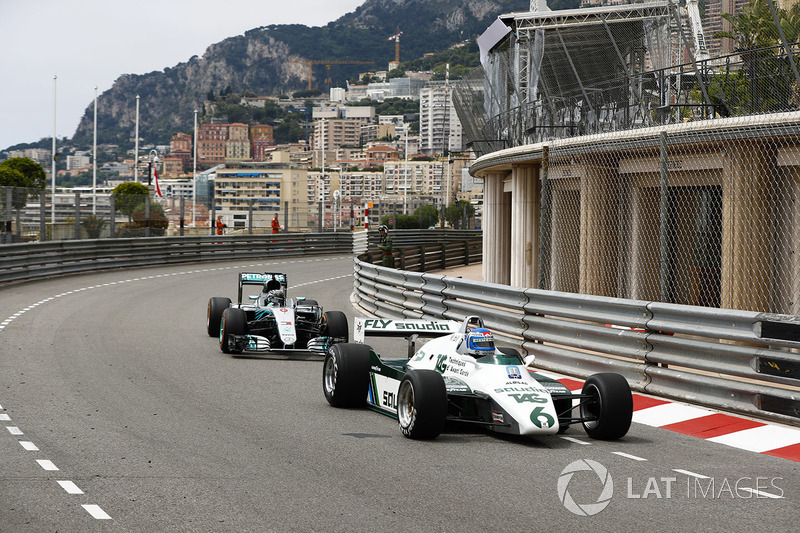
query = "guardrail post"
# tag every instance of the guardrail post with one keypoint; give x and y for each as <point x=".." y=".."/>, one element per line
<point x="422" y="258"/>
<point x="147" y="216"/>
<point x="112" y="205"/>
<point x="42" y="216"/>
<point x="444" y="256"/>
<point x="664" y="220"/>
<point x="250" y="216"/>
<point x="183" y="200"/>
<point x="466" y="253"/>
<point x="77" y="215"/>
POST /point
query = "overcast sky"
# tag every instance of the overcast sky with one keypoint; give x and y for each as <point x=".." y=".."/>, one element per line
<point x="88" y="43"/>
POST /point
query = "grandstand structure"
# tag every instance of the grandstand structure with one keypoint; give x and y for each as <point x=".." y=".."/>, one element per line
<point x="554" y="74"/>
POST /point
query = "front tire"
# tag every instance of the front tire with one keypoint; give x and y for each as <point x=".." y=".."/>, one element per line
<point x="422" y="404"/>
<point x="609" y="408"/>
<point x="336" y="325"/>
<point x="234" y="322"/>
<point x="345" y="374"/>
<point x="216" y="306"/>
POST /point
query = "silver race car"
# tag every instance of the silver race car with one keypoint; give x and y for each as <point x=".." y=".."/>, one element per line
<point x="272" y="321"/>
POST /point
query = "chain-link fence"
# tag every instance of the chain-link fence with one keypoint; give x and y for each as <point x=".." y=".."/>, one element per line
<point x="689" y="217"/>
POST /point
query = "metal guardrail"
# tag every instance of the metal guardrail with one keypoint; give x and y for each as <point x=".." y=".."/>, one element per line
<point x="38" y="260"/>
<point x="738" y="361"/>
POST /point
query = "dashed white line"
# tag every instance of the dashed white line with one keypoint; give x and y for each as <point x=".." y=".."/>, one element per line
<point x="47" y="464"/>
<point x="688" y="473"/>
<point x="577" y="441"/>
<point x="4" y="417"/>
<point x="28" y="445"/>
<point x="760" y="493"/>
<point x="14" y="430"/>
<point x="70" y="487"/>
<point x="96" y="512"/>
<point x="629" y="456"/>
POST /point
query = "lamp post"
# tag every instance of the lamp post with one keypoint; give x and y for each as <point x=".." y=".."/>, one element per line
<point x="194" y="171"/>
<point x="94" y="157"/>
<point x="53" y="171"/>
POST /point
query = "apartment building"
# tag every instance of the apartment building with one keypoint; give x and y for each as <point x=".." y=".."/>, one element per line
<point x="439" y="128"/>
<point x="263" y="190"/>
<point x="211" y="144"/>
<point x="237" y="147"/>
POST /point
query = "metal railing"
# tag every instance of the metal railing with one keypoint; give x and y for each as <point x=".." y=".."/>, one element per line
<point x="739" y="361"/>
<point x="38" y="260"/>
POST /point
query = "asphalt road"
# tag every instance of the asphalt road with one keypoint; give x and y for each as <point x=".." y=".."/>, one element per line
<point x="112" y="380"/>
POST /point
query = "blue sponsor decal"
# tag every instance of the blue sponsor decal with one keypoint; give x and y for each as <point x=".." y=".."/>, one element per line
<point x="513" y="372"/>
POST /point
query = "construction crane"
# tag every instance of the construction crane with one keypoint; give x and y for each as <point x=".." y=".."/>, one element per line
<point x="700" y="49"/>
<point x="327" y="63"/>
<point x="396" y="39"/>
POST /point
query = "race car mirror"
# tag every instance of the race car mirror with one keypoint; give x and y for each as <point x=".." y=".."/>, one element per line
<point x="529" y="359"/>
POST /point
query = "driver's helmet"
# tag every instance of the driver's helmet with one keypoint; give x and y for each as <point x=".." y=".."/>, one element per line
<point x="275" y="296"/>
<point x="480" y="342"/>
<point x="383" y="228"/>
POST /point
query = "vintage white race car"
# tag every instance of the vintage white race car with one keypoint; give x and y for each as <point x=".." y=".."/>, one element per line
<point x="437" y="383"/>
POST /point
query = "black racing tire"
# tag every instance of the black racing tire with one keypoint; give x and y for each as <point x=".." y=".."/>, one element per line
<point x="609" y="409"/>
<point x="336" y="325"/>
<point x="422" y="404"/>
<point x="234" y="322"/>
<point x="511" y="351"/>
<point x="345" y="375"/>
<point x="216" y="306"/>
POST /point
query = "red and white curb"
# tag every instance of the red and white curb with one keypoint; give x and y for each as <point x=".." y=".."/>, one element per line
<point x="742" y="433"/>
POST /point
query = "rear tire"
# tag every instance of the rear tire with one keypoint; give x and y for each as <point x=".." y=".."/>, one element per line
<point x="216" y="306"/>
<point x="422" y="404"/>
<point x="336" y="325"/>
<point x="234" y="322"/>
<point x="610" y="407"/>
<point x="345" y="375"/>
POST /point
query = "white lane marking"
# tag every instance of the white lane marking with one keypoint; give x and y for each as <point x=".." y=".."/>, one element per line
<point x="14" y="430"/>
<point x="629" y="456"/>
<point x="4" y="417"/>
<point x="96" y="512"/>
<point x="70" y="487"/>
<point x="760" y="493"/>
<point x="760" y="439"/>
<point x="688" y="473"/>
<point x="577" y="441"/>
<point x="28" y="445"/>
<point x="668" y="413"/>
<point x="46" y="464"/>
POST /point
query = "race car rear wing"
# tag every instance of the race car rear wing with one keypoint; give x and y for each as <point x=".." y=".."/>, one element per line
<point x="410" y="329"/>
<point x="256" y="278"/>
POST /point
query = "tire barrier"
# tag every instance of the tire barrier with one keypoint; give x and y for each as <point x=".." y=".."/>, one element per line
<point x="739" y="361"/>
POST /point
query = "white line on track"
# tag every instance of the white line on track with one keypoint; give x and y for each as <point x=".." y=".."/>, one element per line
<point x="760" y="493"/>
<point x="577" y="441"/>
<point x="96" y="512"/>
<point x="629" y="456"/>
<point x="690" y="474"/>
<point x="47" y="464"/>
<point x="70" y="487"/>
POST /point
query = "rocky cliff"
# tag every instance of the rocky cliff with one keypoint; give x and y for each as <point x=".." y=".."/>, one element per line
<point x="261" y="61"/>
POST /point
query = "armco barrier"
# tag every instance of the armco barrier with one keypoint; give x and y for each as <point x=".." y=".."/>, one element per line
<point x="39" y="260"/>
<point x="740" y="361"/>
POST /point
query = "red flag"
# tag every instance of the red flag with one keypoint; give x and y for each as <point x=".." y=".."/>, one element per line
<point x="158" y="189"/>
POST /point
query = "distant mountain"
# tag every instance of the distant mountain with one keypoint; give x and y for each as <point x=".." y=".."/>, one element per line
<point x="261" y="61"/>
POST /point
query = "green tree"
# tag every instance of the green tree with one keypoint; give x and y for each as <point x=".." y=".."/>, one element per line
<point x="158" y="218"/>
<point x="33" y="174"/>
<point x="454" y="214"/>
<point x="128" y="196"/>
<point x="430" y="215"/>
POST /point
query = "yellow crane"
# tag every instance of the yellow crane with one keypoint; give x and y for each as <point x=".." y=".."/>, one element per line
<point x="327" y="63"/>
